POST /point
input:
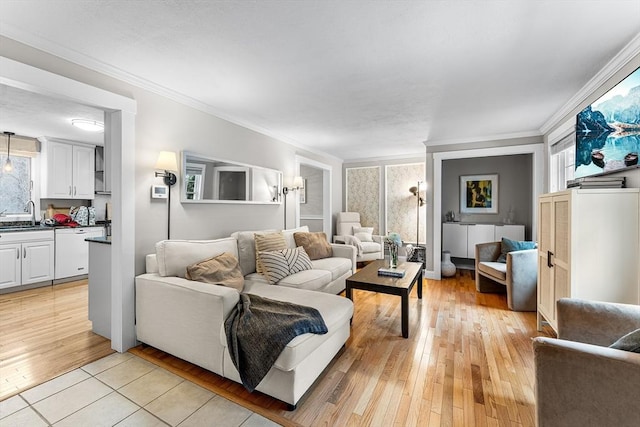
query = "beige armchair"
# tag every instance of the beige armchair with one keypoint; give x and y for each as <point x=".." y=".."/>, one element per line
<point x="518" y="277"/>
<point x="348" y="231"/>
<point x="579" y="380"/>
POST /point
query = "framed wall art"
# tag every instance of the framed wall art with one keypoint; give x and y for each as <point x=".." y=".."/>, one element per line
<point x="479" y="194"/>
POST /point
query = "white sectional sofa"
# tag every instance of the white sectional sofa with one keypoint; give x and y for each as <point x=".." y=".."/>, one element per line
<point x="186" y="318"/>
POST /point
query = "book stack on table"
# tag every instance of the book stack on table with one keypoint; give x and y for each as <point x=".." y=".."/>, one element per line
<point x="391" y="272"/>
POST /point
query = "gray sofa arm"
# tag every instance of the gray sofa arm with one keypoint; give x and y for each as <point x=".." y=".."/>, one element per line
<point x="522" y="280"/>
<point x="580" y="384"/>
<point x="488" y="252"/>
<point x="593" y="322"/>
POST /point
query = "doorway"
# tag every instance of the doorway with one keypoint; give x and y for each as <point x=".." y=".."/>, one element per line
<point x="314" y="207"/>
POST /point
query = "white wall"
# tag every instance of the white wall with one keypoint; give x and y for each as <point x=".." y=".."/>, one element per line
<point x="163" y="124"/>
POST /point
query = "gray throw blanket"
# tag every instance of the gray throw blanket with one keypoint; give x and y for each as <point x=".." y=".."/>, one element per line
<point x="258" y="329"/>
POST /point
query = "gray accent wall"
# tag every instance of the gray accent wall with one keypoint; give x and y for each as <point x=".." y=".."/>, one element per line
<point x="514" y="187"/>
<point x="311" y="211"/>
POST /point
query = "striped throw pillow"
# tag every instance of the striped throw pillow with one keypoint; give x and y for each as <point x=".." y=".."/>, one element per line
<point x="266" y="243"/>
<point x="285" y="262"/>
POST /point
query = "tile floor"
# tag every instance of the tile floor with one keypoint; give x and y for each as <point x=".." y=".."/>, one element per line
<point x="123" y="390"/>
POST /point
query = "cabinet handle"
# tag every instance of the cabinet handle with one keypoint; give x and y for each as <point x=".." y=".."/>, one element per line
<point x="74" y="190"/>
<point x="549" y="255"/>
<point x="24" y="253"/>
<point x="69" y="190"/>
<point x="17" y="253"/>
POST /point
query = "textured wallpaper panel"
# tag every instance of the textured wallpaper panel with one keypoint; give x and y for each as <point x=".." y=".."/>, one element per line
<point x="402" y="205"/>
<point x="363" y="195"/>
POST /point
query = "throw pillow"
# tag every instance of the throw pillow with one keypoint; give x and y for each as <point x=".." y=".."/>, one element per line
<point x="629" y="342"/>
<point x="223" y="270"/>
<point x="266" y="243"/>
<point x="509" y="245"/>
<point x="315" y="244"/>
<point x="364" y="234"/>
<point x="282" y="263"/>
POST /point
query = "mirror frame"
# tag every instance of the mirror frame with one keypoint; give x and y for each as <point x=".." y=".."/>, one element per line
<point x="233" y="165"/>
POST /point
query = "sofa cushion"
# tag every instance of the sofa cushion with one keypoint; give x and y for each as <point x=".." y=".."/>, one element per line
<point x="496" y="270"/>
<point x="312" y="280"/>
<point x="222" y="270"/>
<point x="288" y="235"/>
<point x="629" y="342"/>
<point x="364" y="234"/>
<point x="174" y="256"/>
<point x="335" y="311"/>
<point x="315" y="244"/>
<point x="370" y="247"/>
<point x="508" y="245"/>
<point x="267" y="242"/>
<point x="282" y="263"/>
<point x="336" y="266"/>
<point x="246" y="249"/>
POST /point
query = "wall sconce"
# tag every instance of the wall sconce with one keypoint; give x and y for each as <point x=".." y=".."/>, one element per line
<point x="168" y="163"/>
<point x="8" y="166"/>
<point x="420" y="202"/>
<point x="295" y="186"/>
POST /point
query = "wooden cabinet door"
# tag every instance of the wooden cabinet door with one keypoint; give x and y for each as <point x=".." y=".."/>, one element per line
<point x="83" y="172"/>
<point x="37" y="262"/>
<point x="546" y="297"/>
<point x="59" y="175"/>
<point x="454" y="239"/>
<point x="10" y="261"/>
<point x="478" y="233"/>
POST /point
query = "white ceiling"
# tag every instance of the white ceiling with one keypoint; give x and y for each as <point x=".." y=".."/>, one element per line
<point x="355" y="79"/>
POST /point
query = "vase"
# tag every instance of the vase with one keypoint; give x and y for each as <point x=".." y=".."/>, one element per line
<point x="393" y="255"/>
<point x="447" y="268"/>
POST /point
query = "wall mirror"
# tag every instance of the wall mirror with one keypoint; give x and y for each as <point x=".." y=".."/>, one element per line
<point x="209" y="180"/>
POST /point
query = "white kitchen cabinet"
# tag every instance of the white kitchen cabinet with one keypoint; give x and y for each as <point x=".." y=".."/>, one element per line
<point x="72" y="251"/>
<point x="67" y="170"/>
<point x="454" y="239"/>
<point x="26" y="258"/>
<point x="588" y="247"/>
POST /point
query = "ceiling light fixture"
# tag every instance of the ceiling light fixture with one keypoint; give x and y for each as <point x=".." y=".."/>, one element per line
<point x="88" y="125"/>
<point x="8" y="166"/>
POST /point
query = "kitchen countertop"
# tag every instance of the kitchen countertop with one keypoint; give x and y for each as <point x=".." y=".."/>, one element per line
<point x="103" y="239"/>
<point x="39" y="227"/>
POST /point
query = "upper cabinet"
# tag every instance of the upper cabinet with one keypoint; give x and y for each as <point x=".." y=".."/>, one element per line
<point x="67" y="170"/>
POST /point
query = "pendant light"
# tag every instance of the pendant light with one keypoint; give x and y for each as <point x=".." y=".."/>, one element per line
<point x="8" y="166"/>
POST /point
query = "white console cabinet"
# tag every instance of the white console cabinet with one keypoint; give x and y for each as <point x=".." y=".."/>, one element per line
<point x="588" y="247"/>
<point x="26" y="258"/>
<point x="461" y="238"/>
<point x="67" y="170"/>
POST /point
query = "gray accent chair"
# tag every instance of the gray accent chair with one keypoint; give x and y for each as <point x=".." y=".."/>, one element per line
<point x="579" y="381"/>
<point x="518" y="277"/>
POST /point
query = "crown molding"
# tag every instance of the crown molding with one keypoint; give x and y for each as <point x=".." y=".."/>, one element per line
<point x="91" y="63"/>
<point x="497" y="137"/>
<point x="621" y="59"/>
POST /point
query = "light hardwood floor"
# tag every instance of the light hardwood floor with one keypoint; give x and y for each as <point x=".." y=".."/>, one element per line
<point x="45" y="332"/>
<point x="468" y="361"/>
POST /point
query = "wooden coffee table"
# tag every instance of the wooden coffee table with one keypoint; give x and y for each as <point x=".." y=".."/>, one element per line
<point x="367" y="279"/>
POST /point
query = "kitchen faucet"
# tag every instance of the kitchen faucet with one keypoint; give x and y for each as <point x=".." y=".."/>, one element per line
<point x="33" y="211"/>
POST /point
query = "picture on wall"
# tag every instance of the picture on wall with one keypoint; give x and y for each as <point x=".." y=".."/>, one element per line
<point x="479" y="194"/>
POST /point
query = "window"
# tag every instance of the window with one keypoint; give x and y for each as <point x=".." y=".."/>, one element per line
<point x="15" y="186"/>
<point x="562" y="163"/>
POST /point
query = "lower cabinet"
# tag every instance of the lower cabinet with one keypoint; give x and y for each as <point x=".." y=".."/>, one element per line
<point x="26" y="258"/>
<point x="461" y="239"/>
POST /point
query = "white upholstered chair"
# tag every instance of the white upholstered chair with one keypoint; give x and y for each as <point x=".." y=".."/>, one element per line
<point x="349" y="231"/>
